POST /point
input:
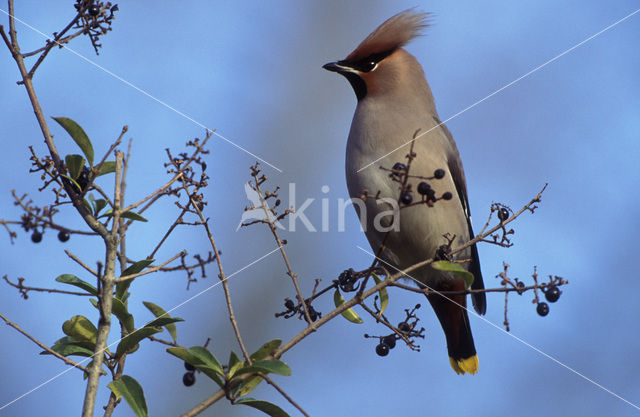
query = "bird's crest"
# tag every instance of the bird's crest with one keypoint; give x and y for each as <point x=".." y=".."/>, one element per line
<point x="394" y="33"/>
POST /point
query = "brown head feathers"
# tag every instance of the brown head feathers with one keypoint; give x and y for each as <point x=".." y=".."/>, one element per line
<point x="394" y="33"/>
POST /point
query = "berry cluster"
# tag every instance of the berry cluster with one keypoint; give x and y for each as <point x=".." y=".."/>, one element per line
<point x="406" y="328"/>
<point x="552" y="294"/>
<point x="189" y="377"/>
<point x="347" y="281"/>
<point x="292" y="309"/>
<point x="400" y="173"/>
<point x="36" y="236"/>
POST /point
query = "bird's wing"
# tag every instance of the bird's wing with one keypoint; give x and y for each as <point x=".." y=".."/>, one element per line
<point x="457" y="173"/>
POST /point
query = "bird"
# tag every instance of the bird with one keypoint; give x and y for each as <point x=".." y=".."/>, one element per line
<point x="395" y="106"/>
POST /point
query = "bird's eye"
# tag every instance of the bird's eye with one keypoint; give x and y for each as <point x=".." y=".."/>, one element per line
<point x="369" y="66"/>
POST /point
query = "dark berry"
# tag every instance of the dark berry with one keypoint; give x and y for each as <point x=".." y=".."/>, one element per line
<point x="438" y="173"/>
<point x="552" y="294"/>
<point x="313" y="314"/>
<point x="503" y="214"/>
<point x="188" y="379"/>
<point x="404" y="327"/>
<point x="382" y="349"/>
<point x="431" y="194"/>
<point x="406" y="198"/>
<point x="94" y="10"/>
<point x="189" y="367"/>
<point x="63" y="236"/>
<point x="423" y="188"/>
<point x="520" y="286"/>
<point x="345" y="276"/>
<point x="390" y="341"/>
<point x="399" y="166"/>
<point x="289" y="304"/>
<point x="36" y="237"/>
<point x="83" y="178"/>
<point x="447" y="196"/>
<point x="542" y="309"/>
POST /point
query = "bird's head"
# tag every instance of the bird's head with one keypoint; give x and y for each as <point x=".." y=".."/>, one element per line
<point x="379" y="64"/>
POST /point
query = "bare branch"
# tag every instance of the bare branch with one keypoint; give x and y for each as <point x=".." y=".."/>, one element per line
<point x="148" y="270"/>
<point x="24" y="290"/>
<point x="283" y="393"/>
<point x="42" y="345"/>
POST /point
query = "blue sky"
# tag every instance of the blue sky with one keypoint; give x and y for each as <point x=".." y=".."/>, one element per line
<point x="253" y="72"/>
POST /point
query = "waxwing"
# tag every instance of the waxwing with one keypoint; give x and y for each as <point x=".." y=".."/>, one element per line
<point x="395" y="102"/>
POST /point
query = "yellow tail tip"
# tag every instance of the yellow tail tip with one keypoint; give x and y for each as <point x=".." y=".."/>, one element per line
<point x="463" y="366"/>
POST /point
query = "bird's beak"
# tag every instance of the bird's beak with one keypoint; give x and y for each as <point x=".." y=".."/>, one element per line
<point x="336" y="67"/>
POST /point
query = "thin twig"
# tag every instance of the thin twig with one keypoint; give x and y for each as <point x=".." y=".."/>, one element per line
<point x="168" y="233"/>
<point x="222" y="277"/>
<point x="149" y="270"/>
<point x="164" y="342"/>
<point x="274" y="232"/>
<point x="46" y="221"/>
<point x="386" y="323"/>
<point x="79" y="262"/>
<point x="179" y="175"/>
<point x="529" y="206"/>
<point x="208" y="402"/>
<point x="283" y="393"/>
<point x="51" y="43"/>
<point x="42" y="345"/>
<point x="25" y="289"/>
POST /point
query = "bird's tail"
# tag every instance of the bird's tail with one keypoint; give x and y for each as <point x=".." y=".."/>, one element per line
<point x="452" y="313"/>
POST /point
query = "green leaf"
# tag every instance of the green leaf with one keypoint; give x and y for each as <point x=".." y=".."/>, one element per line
<point x="384" y="295"/>
<point x="163" y="321"/>
<point x="158" y="311"/>
<point x="234" y="364"/>
<point x="70" y="350"/>
<point x="77" y="282"/>
<point x="127" y="215"/>
<point x="137" y="267"/>
<point x="202" y="359"/>
<point x="131" y="390"/>
<point x="68" y="346"/>
<point x="455" y="269"/>
<point x="129" y="342"/>
<point x="79" y="327"/>
<point x="119" y="309"/>
<point x="68" y="340"/>
<point x="98" y="206"/>
<point x="74" y="165"/>
<point x="122" y="287"/>
<point x="78" y="135"/>
<point x="247" y="386"/>
<point x="107" y="167"/>
<point x="349" y="313"/>
<point x="264" y="406"/>
<point x="266" y="350"/>
<point x="267" y="366"/>
<point x="207" y="358"/>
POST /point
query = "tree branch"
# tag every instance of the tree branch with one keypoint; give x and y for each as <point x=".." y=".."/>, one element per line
<point x="42" y="345"/>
